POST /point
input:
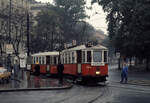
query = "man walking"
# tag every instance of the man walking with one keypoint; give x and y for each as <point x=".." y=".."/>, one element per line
<point x="124" y="73"/>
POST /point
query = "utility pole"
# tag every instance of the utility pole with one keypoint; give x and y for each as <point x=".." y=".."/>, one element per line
<point x="28" y="29"/>
<point x="28" y="47"/>
<point x="9" y="36"/>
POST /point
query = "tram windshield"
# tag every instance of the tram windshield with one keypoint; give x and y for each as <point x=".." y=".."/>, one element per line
<point x="97" y="56"/>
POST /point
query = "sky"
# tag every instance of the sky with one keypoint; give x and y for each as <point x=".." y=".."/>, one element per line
<point x="97" y="16"/>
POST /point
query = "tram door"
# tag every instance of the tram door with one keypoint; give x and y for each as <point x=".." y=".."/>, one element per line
<point x="47" y="64"/>
<point x="79" y="59"/>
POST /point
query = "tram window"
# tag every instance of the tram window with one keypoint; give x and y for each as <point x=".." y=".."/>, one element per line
<point x="47" y="59"/>
<point x="73" y="60"/>
<point x="69" y="58"/>
<point x="51" y="60"/>
<point x="43" y="60"/>
<point x="66" y="58"/>
<point x="79" y="58"/>
<point x="55" y="60"/>
<point x="88" y="56"/>
<point x="39" y="60"/>
<point x="105" y="56"/>
<point x="97" y="56"/>
<point x="33" y="60"/>
<point x="83" y="56"/>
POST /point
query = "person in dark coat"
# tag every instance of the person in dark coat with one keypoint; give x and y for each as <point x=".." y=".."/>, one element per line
<point x="37" y="70"/>
<point x="60" y="69"/>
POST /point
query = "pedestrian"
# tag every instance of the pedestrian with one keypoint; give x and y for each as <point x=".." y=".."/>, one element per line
<point x="60" y="69"/>
<point x="124" y="73"/>
<point x="16" y="69"/>
<point x="37" y="70"/>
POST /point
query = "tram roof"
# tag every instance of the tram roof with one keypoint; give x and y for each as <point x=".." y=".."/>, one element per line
<point x="83" y="47"/>
<point x="46" y="53"/>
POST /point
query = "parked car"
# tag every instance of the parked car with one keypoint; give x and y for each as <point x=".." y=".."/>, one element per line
<point x="4" y="75"/>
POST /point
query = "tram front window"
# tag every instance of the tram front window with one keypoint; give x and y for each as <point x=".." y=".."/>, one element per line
<point x="97" y="56"/>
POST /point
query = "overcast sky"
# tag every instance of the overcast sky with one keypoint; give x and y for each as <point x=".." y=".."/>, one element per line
<point x="97" y="16"/>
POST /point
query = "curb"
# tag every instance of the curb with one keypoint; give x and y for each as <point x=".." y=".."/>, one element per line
<point x="37" y="89"/>
<point x="132" y="83"/>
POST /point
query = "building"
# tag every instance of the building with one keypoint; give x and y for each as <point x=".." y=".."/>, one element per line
<point x="13" y="26"/>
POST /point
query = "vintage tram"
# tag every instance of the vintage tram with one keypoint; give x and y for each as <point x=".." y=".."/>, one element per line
<point x="82" y="63"/>
<point x="86" y="63"/>
<point x="47" y="61"/>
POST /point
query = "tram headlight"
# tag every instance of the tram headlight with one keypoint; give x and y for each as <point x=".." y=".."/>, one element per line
<point x="98" y="72"/>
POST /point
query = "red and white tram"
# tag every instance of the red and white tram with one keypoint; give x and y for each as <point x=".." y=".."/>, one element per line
<point x="86" y="63"/>
<point x="81" y="62"/>
<point x="47" y="61"/>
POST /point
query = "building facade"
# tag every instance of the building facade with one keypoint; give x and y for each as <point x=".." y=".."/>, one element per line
<point x="13" y="26"/>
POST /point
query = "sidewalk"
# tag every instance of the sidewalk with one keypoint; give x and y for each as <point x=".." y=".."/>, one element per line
<point x="134" y="77"/>
<point x="34" y="83"/>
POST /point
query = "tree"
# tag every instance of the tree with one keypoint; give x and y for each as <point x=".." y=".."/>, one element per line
<point x="47" y="30"/>
<point x="128" y="23"/>
<point x="58" y="22"/>
<point x="72" y="12"/>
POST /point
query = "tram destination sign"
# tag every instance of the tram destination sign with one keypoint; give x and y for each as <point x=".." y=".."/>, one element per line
<point x="97" y="63"/>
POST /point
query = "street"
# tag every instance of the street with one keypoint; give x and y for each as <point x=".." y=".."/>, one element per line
<point x="81" y="94"/>
<point x="113" y="92"/>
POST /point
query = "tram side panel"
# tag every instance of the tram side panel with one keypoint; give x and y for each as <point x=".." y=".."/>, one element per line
<point x="70" y="69"/>
<point x="42" y="68"/>
<point x="53" y="69"/>
<point x="88" y="70"/>
<point x="104" y="70"/>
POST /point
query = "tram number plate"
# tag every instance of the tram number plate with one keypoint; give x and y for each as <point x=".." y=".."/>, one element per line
<point x="97" y="64"/>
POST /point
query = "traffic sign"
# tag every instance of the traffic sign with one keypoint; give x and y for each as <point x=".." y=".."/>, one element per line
<point x="9" y="48"/>
<point x="118" y="55"/>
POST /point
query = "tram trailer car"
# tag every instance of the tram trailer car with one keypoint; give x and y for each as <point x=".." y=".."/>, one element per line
<point x="86" y="63"/>
<point x="47" y="61"/>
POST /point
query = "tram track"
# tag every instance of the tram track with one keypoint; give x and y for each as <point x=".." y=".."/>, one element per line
<point x="104" y="94"/>
<point x="91" y="96"/>
<point x="100" y="93"/>
<point x="130" y="87"/>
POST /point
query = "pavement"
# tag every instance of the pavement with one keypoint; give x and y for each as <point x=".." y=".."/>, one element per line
<point x="25" y="82"/>
<point x="134" y="77"/>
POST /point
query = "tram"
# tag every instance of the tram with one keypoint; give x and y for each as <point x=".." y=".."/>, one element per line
<point x="82" y="63"/>
<point x="47" y="61"/>
<point x="86" y="63"/>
